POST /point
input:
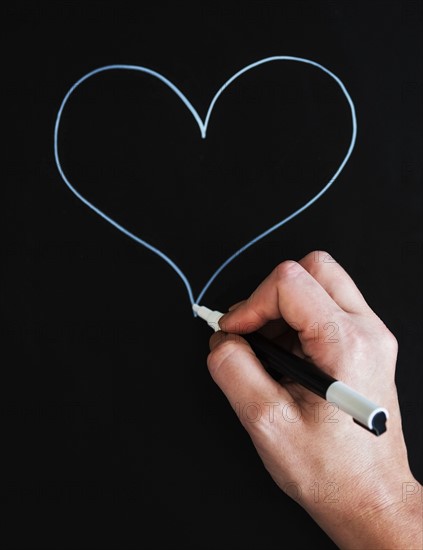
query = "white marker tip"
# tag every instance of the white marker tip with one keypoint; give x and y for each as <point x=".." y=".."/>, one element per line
<point x="211" y="317"/>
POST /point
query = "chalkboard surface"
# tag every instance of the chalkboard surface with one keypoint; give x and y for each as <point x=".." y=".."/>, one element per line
<point x="114" y="432"/>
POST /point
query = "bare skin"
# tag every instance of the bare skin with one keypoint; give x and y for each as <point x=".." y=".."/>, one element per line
<point x="357" y="487"/>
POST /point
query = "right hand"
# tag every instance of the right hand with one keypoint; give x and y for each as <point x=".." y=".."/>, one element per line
<point x="314" y="309"/>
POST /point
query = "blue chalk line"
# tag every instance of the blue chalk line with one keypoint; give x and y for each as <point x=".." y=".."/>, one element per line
<point x="203" y="125"/>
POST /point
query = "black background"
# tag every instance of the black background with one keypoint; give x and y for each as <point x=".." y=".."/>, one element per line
<point x="113" y="431"/>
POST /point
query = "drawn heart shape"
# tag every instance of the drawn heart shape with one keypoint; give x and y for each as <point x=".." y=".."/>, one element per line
<point x="203" y="130"/>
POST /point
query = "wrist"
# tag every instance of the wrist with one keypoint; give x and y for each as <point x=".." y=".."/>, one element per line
<point x="378" y="511"/>
<point x="377" y="515"/>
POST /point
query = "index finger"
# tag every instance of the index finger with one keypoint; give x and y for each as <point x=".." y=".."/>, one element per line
<point x="290" y="292"/>
<point x="336" y="281"/>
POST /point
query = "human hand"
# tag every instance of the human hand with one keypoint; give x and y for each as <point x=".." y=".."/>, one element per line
<point x="358" y="487"/>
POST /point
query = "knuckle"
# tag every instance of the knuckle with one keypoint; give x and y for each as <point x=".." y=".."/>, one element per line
<point x="316" y="260"/>
<point x="320" y="255"/>
<point x="388" y="340"/>
<point x="365" y="341"/>
<point x="288" y="268"/>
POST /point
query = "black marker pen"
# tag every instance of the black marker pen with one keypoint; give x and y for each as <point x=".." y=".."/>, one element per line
<point x="274" y="358"/>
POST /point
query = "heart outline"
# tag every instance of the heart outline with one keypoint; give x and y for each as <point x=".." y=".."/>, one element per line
<point x="203" y="125"/>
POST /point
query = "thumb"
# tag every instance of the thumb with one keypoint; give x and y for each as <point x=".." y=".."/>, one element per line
<point x="236" y="370"/>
